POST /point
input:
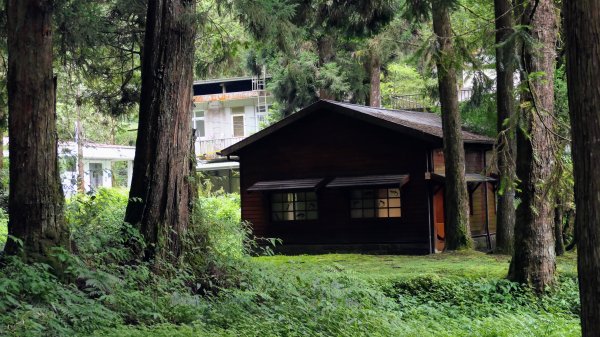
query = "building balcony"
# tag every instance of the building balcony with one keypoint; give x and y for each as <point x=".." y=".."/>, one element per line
<point x="420" y="102"/>
<point x="207" y="149"/>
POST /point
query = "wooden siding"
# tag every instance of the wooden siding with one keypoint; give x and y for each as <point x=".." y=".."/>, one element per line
<point x="475" y="162"/>
<point x="312" y="148"/>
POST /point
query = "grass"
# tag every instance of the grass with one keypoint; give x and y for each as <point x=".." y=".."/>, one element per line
<point x="457" y="294"/>
<point x="470" y="265"/>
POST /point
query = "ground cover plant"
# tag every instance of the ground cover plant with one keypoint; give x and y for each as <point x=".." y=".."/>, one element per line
<point x="3" y="228"/>
<point x="103" y="294"/>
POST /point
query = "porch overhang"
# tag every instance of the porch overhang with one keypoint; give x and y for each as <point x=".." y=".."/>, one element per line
<point x="471" y="178"/>
<point x="373" y="180"/>
<point x="280" y="185"/>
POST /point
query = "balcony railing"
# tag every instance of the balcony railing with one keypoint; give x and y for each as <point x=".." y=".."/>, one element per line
<point x="421" y="102"/>
<point x="208" y="148"/>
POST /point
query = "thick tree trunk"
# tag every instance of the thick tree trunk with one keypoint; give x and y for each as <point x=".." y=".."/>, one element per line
<point x="505" y="69"/>
<point x="36" y="199"/>
<point x="375" y="76"/>
<point x="160" y="200"/>
<point x="458" y="233"/>
<point x="534" y="259"/>
<point x="1" y="145"/>
<point x="583" y="72"/>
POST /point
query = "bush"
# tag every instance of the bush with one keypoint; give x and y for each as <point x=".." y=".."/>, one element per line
<point x="97" y="227"/>
<point x="99" y="288"/>
<point x="3" y="228"/>
<point x="218" y="242"/>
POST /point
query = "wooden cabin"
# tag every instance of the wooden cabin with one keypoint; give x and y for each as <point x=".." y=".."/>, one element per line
<point x="343" y="177"/>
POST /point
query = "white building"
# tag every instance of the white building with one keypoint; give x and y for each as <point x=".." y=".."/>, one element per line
<point x="226" y="111"/>
<point x="98" y="165"/>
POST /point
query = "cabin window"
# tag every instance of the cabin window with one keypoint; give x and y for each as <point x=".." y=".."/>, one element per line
<point x="375" y="203"/>
<point x="198" y="122"/>
<point x="294" y="206"/>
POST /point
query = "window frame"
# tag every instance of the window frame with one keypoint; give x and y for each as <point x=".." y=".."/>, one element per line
<point x="374" y="211"/>
<point x="196" y="119"/>
<point x="295" y="203"/>
<point x="238" y="114"/>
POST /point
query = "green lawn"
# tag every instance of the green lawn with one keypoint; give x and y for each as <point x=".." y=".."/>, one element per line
<point x="457" y="294"/>
<point x="471" y="265"/>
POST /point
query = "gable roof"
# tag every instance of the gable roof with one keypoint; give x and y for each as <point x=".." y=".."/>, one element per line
<point x="423" y="125"/>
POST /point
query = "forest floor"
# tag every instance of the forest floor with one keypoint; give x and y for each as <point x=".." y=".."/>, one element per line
<point x="450" y="294"/>
<point x="220" y="291"/>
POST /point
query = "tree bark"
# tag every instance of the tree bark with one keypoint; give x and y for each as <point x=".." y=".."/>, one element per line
<point x="375" y="77"/>
<point x="36" y="199"/>
<point x="160" y="200"/>
<point x="534" y="259"/>
<point x="505" y="69"/>
<point x="559" y="246"/>
<point x="458" y="233"/>
<point x="80" y="166"/>
<point x="583" y="76"/>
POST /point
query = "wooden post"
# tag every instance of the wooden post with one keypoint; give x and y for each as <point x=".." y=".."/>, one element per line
<point x="487" y="212"/>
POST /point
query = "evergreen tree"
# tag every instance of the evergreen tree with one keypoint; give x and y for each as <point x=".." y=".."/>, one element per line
<point x="161" y="194"/>
<point x="505" y="70"/>
<point x="309" y="46"/>
<point x="36" y="199"/>
<point x="534" y="259"/>
<point x="456" y="203"/>
<point x="583" y="28"/>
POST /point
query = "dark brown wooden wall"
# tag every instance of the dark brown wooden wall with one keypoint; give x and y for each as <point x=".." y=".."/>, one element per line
<point x="327" y="146"/>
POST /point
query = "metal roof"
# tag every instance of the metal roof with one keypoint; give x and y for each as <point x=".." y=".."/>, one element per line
<point x="223" y="80"/>
<point x="423" y="125"/>
<point x="426" y="122"/>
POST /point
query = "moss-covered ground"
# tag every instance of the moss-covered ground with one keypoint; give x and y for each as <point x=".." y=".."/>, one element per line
<point x="456" y="294"/>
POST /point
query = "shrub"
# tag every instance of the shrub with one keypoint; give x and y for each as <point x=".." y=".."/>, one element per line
<point x="218" y="242"/>
<point x="97" y="227"/>
<point x="3" y="228"/>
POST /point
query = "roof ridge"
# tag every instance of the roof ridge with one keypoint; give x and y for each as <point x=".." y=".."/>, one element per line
<point x="376" y="108"/>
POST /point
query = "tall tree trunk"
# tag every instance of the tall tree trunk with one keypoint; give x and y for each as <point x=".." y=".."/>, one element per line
<point x="458" y="233"/>
<point x="558" y="230"/>
<point x="534" y="259"/>
<point x="3" y="189"/>
<point x="505" y="69"/>
<point x="375" y="87"/>
<point x="36" y="199"/>
<point x="79" y="136"/>
<point x="160" y="200"/>
<point x="583" y="75"/>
